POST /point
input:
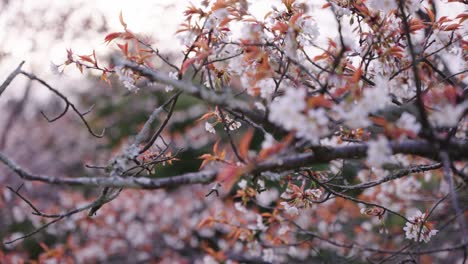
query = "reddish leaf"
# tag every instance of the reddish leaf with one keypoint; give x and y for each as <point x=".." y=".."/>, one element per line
<point x="206" y="116"/>
<point x="323" y="56"/>
<point x="124" y="48"/>
<point x="294" y="18"/>
<point x="86" y="58"/>
<point x="265" y="153"/>
<point x="209" y="221"/>
<point x="451" y="27"/>
<point x="79" y="66"/>
<point x="105" y="78"/>
<point x="430" y="14"/>
<point x="112" y="36"/>
<point x="229" y="175"/>
<point x="95" y="59"/>
<point x="416" y="24"/>
<point x="127" y="35"/>
<point x="69" y="57"/>
<point x="462" y="17"/>
<point x="206" y="158"/>
<point x="319" y="101"/>
<point x="215" y="147"/>
<point x="245" y="143"/>
<point x="186" y="64"/>
<point x="356" y="76"/>
<point x="379" y="121"/>
<point x="217" y="155"/>
<point x="281" y="27"/>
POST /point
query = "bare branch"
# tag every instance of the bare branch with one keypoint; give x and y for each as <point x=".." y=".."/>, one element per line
<point x="226" y="99"/>
<point x="16" y="111"/>
<point x="11" y="77"/>
<point x="67" y="102"/>
<point x="448" y="177"/>
<point x="58" y="218"/>
<point x="399" y="174"/>
<point x="383" y="251"/>
<point x="458" y="149"/>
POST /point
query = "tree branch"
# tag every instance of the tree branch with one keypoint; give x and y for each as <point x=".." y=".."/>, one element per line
<point x="11" y="77"/>
<point x="458" y="150"/>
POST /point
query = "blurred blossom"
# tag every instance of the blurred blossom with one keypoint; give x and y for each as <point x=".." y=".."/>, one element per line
<point x="378" y="152"/>
<point x="260" y="225"/>
<point x="267" y="88"/>
<point x="384" y="6"/>
<point x="239" y="207"/>
<point x="268" y="255"/>
<point x="268" y="141"/>
<point x="261" y="184"/>
<point x="283" y="230"/>
<point x="172" y="75"/>
<point x="356" y="113"/>
<point x="315" y="194"/>
<point x="209" y="260"/>
<point x="290" y="210"/>
<point x="242" y="184"/>
<point x="448" y="115"/>
<point x="308" y="29"/>
<point x="54" y="69"/>
<point x="265" y="198"/>
<point x="260" y="106"/>
<point x="408" y="121"/>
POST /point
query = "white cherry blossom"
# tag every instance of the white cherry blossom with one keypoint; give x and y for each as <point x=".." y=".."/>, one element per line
<point x="419" y="230"/>
<point x="126" y="80"/>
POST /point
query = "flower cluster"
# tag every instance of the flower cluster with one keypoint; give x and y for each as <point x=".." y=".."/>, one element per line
<point x="267" y="87"/>
<point x="418" y="228"/>
<point x="230" y="123"/>
<point x="356" y="113"/>
<point x="125" y="76"/>
<point x="288" y="111"/>
<point x="308" y="29"/>
<point x="172" y="75"/>
<point x="299" y="197"/>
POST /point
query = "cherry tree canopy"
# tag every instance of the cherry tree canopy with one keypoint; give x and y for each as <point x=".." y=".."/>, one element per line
<point x="306" y="147"/>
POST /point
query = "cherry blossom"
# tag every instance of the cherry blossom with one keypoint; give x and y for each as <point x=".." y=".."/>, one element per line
<point x="126" y="80"/>
<point x="418" y="229"/>
<point x="276" y="134"/>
